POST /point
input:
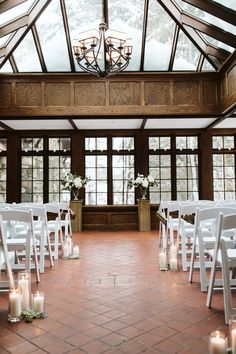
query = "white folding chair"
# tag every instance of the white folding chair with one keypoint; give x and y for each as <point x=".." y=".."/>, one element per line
<point x="225" y="255"/>
<point x="22" y="240"/>
<point x="5" y="259"/>
<point x="54" y="226"/>
<point x="204" y="241"/>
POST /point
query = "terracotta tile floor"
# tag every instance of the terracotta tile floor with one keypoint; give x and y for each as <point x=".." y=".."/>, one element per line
<point x="115" y="300"/>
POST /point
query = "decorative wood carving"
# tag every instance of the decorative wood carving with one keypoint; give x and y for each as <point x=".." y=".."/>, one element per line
<point x="232" y="80"/>
<point x="90" y="94"/>
<point x="157" y="93"/>
<point x="57" y="94"/>
<point x="124" y="93"/>
<point x="209" y="92"/>
<point x="5" y="94"/>
<point x="28" y="94"/>
<point x="187" y="93"/>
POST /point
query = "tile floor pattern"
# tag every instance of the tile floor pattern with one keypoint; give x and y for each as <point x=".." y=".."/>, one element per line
<point x="115" y="300"/>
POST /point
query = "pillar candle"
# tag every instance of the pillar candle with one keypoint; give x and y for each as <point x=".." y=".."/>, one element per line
<point x="14" y="304"/>
<point x="217" y="343"/>
<point x="173" y="264"/>
<point x="38" y="302"/>
<point x="162" y="259"/>
<point x="233" y="340"/>
<point x="24" y="285"/>
<point x="173" y="251"/>
<point x="66" y="250"/>
<point x="76" y="251"/>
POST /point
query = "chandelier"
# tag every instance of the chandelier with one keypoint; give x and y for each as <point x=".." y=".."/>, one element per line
<point x="104" y="52"/>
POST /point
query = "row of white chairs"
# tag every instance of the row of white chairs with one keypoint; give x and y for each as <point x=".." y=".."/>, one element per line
<point x="210" y="241"/>
<point x="31" y="235"/>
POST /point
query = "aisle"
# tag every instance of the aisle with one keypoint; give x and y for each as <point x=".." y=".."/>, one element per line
<point x="115" y="300"/>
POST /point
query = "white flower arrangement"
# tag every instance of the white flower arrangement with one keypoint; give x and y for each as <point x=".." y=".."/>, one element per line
<point x="142" y="183"/>
<point x="73" y="183"/>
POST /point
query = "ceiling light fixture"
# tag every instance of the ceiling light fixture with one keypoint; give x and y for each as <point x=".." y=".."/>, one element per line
<point x="104" y="52"/>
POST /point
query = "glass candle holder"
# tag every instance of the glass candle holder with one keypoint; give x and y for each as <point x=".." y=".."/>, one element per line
<point x="24" y="284"/>
<point x="14" y="305"/>
<point x="217" y="342"/>
<point x="162" y="259"/>
<point x="173" y="264"/>
<point x="66" y="249"/>
<point x="38" y="302"/>
<point x="232" y="333"/>
<point x="76" y="251"/>
<point x="173" y="251"/>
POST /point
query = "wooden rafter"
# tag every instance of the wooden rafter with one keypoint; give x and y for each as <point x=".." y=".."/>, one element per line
<point x="67" y="33"/>
<point x="9" y="4"/>
<point x="32" y="17"/>
<point x="144" y="32"/>
<point x="39" y="48"/>
<point x="215" y="9"/>
<point x="210" y="30"/>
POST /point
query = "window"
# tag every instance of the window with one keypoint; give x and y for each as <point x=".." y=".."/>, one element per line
<point x="3" y="170"/>
<point x="117" y="150"/>
<point x="59" y="164"/>
<point x="187" y="181"/>
<point x="96" y="168"/>
<point x="32" y="167"/>
<point x="44" y="161"/>
<point x="223" y="167"/>
<point x="160" y="168"/>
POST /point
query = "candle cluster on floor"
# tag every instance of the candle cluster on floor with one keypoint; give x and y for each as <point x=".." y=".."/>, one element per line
<point x="173" y="262"/>
<point x="70" y="251"/>
<point x="21" y="300"/>
<point x="219" y="343"/>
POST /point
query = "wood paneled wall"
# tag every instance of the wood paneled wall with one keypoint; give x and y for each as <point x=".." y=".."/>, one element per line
<point x="74" y="95"/>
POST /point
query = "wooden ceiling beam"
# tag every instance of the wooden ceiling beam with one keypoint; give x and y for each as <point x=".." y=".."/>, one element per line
<point x="39" y="48"/>
<point x="215" y="9"/>
<point x="144" y="33"/>
<point x="210" y="30"/>
<point x="9" y="4"/>
<point x="67" y="33"/>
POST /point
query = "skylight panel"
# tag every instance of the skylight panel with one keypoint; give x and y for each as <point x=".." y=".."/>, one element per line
<point x="26" y="55"/>
<point x="127" y="16"/>
<point x="6" y="68"/>
<point x="207" y="66"/>
<point x="4" y="39"/>
<point x="187" y="55"/>
<point x="159" y="38"/>
<point x="15" y="12"/>
<point x="205" y="16"/>
<point x="52" y="38"/>
<point x="88" y="16"/>
<point x="217" y="43"/>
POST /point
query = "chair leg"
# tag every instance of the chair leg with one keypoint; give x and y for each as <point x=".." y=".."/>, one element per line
<point x="49" y="249"/>
<point x="226" y="283"/>
<point x="193" y="255"/>
<point x="184" y="253"/>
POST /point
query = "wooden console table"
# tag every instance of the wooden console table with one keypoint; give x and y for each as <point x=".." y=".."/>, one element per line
<point x="76" y="222"/>
<point x="144" y="219"/>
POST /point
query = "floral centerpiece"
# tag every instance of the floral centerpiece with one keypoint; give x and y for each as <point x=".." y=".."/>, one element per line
<point x="142" y="183"/>
<point x="73" y="183"/>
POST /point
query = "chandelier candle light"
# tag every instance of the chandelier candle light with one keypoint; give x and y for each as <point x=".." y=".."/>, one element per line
<point x="104" y="52"/>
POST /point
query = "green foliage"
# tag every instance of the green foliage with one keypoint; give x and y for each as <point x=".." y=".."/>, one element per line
<point x="28" y="316"/>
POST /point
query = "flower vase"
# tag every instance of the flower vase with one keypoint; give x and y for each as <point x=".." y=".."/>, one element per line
<point x="76" y="194"/>
<point x="143" y="193"/>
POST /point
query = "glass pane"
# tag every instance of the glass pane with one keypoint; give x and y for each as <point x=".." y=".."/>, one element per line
<point x="92" y="144"/>
<point x="89" y="16"/>
<point x="124" y="15"/>
<point x="187" y="55"/>
<point x="123" y="143"/>
<point x="26" y="56"/>
<point x="52" y="35"/>
<point x="217" y="43"/>
<point x="159" y="38"/>
<point x="207" y="66"/>
<point x="6" y="68"/>
<point x="3" y="145"/>
<point x="228" y="3"/>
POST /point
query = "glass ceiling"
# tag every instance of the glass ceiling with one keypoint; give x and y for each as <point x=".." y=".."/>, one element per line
<point x="167" y="35"/>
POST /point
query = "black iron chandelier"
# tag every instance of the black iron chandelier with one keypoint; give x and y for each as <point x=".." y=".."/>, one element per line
<point x="104" y="52"/>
